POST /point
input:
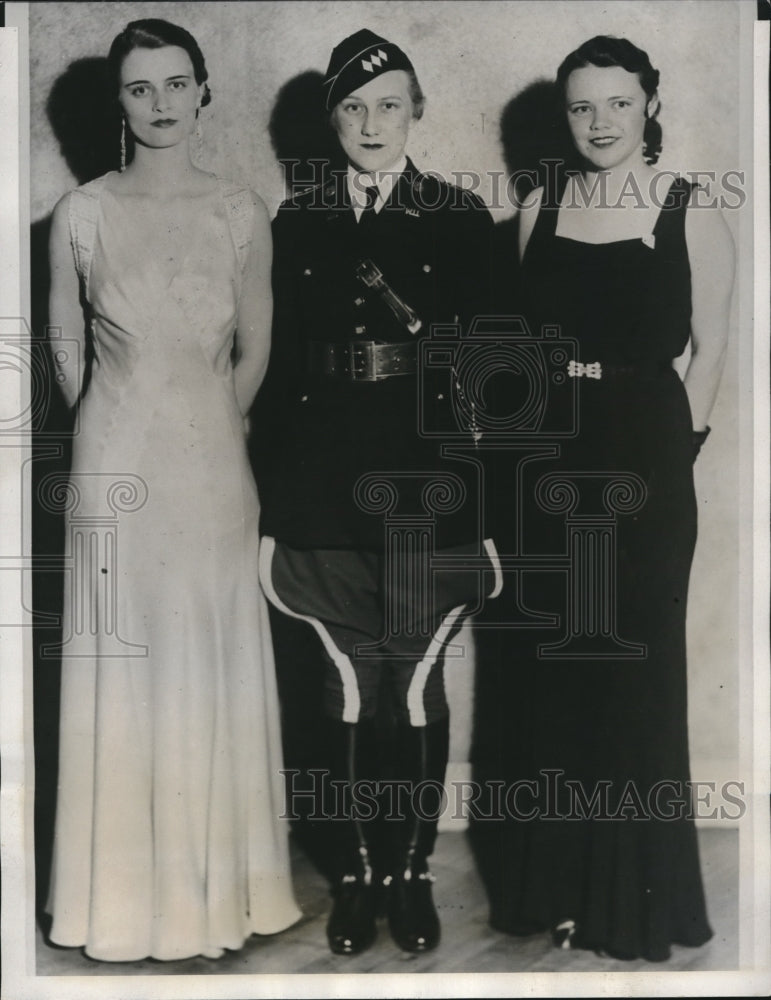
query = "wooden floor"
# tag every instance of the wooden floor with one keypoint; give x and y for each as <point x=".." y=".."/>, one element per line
<point x="468" y="944"/>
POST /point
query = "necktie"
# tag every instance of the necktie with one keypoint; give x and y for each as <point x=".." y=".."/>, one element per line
<point x="368" y="215"/>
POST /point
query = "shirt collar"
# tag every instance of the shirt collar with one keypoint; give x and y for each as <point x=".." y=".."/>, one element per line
<point x="385" y="180"/>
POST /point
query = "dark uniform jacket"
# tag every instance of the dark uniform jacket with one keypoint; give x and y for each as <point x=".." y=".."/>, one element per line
<point x="316" y="435"/>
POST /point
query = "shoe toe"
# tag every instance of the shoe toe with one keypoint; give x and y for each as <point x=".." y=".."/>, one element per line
<point x="342" y="945"/>
<point x="412" y="917"/>
<point x="351" y="927"/>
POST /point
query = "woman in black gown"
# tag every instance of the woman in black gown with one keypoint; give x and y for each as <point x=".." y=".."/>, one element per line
<point x="585" y="714"/>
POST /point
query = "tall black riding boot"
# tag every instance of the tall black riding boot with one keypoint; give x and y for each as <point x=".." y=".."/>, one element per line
<point x="421" y="758"/>
<point x="351" y="926"/>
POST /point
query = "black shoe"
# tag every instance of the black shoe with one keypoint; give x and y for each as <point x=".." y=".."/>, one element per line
<point x="351" y="926"/>
<point x="412" y="917"/>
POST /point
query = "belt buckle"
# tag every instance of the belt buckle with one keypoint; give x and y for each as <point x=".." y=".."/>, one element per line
<point x="363" y="351"/>
<point x="578" y="370"/>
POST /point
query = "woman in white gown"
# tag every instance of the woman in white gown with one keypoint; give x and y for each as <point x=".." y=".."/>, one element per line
<point x="168" y="841"/>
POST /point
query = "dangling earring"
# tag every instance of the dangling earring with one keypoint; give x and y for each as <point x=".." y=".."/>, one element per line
<point x="198" y="137"/>
<point x="122" y="144"/>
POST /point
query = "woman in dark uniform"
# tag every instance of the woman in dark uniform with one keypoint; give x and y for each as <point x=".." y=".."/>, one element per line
<point x="358" y="498"/>
<point x="587" y="710"/>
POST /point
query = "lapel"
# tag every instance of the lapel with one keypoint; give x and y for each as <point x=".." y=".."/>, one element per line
<point x="333" y="219"/>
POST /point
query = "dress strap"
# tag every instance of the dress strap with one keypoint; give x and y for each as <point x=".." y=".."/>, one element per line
<point x="83" y="214"/>
<point x="669" y="229"/>
<point x="546" y="224"/>
<point x="240" y="208"/>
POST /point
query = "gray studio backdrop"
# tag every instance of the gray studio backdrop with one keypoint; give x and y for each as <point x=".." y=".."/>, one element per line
<point x="472" y="59"/>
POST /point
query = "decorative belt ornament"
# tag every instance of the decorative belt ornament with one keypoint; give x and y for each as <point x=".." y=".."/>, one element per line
<point x="578" y="370"/>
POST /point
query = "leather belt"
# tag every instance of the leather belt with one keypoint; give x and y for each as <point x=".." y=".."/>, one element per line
<point x="362" y="360"/>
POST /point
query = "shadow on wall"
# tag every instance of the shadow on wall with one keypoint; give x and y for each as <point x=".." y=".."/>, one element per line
<point x="302" y="137"/>
<point x="86" y="123"/>
<point x="50" y="454"/>
<point x="85" y="119"/>
<point x="535" y="139"/>
<point x="537" y="150"/>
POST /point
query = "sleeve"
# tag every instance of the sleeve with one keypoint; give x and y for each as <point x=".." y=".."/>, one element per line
<point x="240" y="204"/>
<point x="82" y="213"/>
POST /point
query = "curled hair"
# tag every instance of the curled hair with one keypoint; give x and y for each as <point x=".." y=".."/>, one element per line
<point x="603" y="51"/>
<point x="155" y="33"/>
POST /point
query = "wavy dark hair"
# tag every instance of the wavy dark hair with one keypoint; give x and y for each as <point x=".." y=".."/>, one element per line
<point x="604" y="50"/>
<point x="155" y="33"/>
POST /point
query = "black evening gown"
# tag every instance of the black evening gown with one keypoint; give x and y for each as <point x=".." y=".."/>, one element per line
<point x="603" y="836"/>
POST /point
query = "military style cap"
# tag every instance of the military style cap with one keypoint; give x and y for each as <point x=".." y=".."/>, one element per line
<point x="357" y="60"/>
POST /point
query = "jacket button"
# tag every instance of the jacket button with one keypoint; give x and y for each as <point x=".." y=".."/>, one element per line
<point x="303" y="399"/>
<point x="427" y="268"/>
<point x="360" y="329"/>
<point x="358" y="302"/>
<point x="307" y="271"/>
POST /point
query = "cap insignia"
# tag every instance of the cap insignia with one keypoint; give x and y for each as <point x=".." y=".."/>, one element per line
<point x="376" y="59"/>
